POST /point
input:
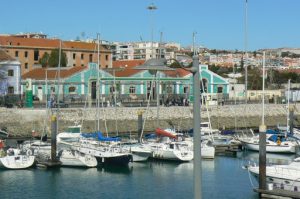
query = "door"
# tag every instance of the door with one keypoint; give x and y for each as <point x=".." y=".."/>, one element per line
<point x="40" y="93"/>
<point x="93" y="90"/>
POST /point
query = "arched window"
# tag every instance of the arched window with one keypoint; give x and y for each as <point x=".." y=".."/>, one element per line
<point x="220" y="89"/>
<point x="72" y="89"/>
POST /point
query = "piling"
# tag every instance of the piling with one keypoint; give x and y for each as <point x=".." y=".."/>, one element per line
<point x="53" y="137"/>
<point x="140" y="124"/>
<point x="262" y="157"/>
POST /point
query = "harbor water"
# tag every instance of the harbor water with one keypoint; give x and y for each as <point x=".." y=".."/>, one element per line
<point x="223" y="177"/>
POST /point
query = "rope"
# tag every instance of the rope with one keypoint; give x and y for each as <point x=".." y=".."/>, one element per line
<point x="148" y="104"/>
<point x="250" y="178"/>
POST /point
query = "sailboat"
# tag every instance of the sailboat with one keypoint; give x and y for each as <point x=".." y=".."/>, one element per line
<point x="74" y="158"/>
<point x="275" y="143"/>
<point x="15" y="160"/>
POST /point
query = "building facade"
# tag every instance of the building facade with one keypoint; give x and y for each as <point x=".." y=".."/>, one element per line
<point x="29" y="50"/>
<point x="10" y="75"/>
<point x="120" y="85"/>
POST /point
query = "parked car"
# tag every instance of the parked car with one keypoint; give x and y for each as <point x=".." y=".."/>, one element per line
<point x="61" y="104"/>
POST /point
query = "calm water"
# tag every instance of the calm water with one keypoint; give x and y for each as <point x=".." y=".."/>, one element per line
<point x="222" y="177"/>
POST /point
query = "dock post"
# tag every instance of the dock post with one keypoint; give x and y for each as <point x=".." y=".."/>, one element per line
<point x="196" y="126"/>
<point x="140" y="125"/>
<point x="262" y="138"/>
<point x="262" y="157"/>
<point x="53" y="137"/>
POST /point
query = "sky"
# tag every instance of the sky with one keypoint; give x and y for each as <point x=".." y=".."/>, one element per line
<point x="219" y="24"/>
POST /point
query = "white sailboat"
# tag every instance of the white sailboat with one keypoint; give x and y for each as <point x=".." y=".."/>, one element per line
<point x="75" y="158"/>
<point x="15" y="160"/>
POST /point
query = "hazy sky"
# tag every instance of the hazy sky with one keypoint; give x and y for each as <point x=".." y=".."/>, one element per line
<point x="218" y="23"/>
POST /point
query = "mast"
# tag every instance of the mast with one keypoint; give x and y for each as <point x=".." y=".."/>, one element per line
<point x="246" y="53"/>
<point x="288" y="108"/>
<point x="58" y="84"/>
<point x="98" y="81"/>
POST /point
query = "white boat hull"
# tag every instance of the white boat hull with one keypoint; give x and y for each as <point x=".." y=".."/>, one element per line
<point x="17" y="162"/>
<point x="280" y="176"/>
<point x="76" y="159"/>
<point x="271" y="148"/>
<point x="208" y="152"/>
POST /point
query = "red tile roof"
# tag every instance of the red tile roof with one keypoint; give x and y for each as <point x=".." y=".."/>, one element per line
<point x="127" y="66"/>
<point x="52" y="73"/>
<point x="128" y="71"/>
<point x="179" y="72"/>
<point x="46" y="43"/>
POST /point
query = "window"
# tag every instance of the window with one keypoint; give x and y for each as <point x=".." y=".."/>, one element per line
<point x="169" y="89"/>
<point x="26" y="66"/>
<point x="10" y="90"/>
<point x="220" y="89"/>
<point x="132" y="90"/>
<point x="25" y="54"/>
<point x="17" y="54"/>
<point x="91" y="58"/>
<point x="72" y="89"/>
<point x="73" y="64"/>
<point x="232" y="88"/>
<point x="112" y="89"/>
<point x="106" y="66"/>
<point x="52" y="89"/>
<point x="74" y="55"/>
<point x="106" y="57"/>
<point x="36" y="55"/>
<point x="82" y="56"/>
<point x="10" y="73"/>
<point x="185" y="89"/>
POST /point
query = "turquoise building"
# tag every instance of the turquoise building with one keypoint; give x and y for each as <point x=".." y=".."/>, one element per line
<point x="121" y="84"/>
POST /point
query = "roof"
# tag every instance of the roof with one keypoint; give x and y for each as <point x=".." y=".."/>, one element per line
<point x="46" y="43"/>
<point x="5" y="57"/>
<point x="52" y="73"/>
<point x="127" y="66"/>
<point x="128" y="70"/>
<point x="179" y="72"/>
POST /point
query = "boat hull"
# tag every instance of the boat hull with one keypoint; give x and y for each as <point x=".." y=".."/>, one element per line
<point x="271" y="148"/>
<point x="17" y="162"/>
<point x="280" y="177"/>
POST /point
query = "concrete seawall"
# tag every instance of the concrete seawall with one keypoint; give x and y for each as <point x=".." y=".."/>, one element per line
<point x="21" y="122"/>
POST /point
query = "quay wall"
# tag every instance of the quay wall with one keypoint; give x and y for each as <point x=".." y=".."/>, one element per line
<point x="21" y="122"/>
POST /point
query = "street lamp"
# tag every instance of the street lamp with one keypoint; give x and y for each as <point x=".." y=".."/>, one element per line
<point x="151" y="7"/>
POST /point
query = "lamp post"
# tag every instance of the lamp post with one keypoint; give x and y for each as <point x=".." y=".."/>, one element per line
<point x="151" y="7"/>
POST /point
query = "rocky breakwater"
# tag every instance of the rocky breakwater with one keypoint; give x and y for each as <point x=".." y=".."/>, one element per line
<point x="21" y="122"/>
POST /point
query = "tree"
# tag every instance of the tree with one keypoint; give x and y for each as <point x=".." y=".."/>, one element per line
<point x="54" y="58"/>
<point x="44" y="60"/>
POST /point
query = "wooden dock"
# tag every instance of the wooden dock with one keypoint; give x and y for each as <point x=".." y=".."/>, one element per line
<point x="277" y="193"/>
<point x="227" y="149"/>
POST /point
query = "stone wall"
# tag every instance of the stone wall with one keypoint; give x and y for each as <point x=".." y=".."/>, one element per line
<point x="21" y="122"/>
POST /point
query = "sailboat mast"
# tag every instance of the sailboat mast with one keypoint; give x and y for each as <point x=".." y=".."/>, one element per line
<point x="98" y="81"/>
<point x="288" y="106"/>
<point x="263" y="87"/>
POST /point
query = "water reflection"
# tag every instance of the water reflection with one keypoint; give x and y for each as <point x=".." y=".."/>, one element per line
<point x="272" y="158"/>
